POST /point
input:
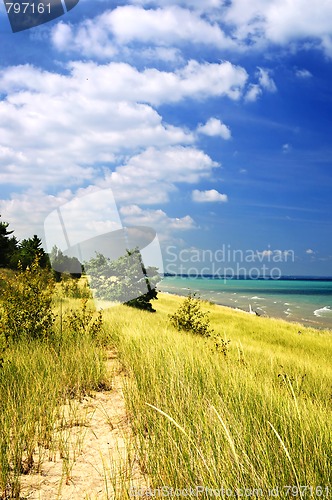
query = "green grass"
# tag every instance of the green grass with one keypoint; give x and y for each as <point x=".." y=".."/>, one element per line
<point x="259" y="417"/>
<point x="36" y="378"/>
<point x="256" y="419"/>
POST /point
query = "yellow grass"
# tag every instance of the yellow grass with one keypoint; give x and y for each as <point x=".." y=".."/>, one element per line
<point x="255" y="420"/>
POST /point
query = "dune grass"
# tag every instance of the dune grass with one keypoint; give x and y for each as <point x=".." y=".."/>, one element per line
<point x="36" y="378"/>
<point x="257" y="419"/>
<point x="252" y="419"/>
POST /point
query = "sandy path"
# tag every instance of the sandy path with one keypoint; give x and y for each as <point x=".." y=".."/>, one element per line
<point x="97" y="459"/>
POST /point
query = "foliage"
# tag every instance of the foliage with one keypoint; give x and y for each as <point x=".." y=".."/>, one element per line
<point x="191" y="318"/>
<point x="62" y="264"/>
<point x="28" y="250"/>
<point x="83" y="322"/>
<point x="15" y="254"/>
<point x="8" y="245"/>
<point x="26" y="307"/>
<point x="221" y="345"/>
<point x="125" y="280"/>
<point x="74" y="288"/>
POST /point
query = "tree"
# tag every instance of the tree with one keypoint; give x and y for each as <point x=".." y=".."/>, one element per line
<point x="31" y="248"/>
<point x="8" y="246"/>
<point x="26" y="306"/>
<point x="125" y="280"/>
<point x="62" y="264"/>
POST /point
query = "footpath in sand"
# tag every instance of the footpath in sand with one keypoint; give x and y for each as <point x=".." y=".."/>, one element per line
<point x="96" y="458"/>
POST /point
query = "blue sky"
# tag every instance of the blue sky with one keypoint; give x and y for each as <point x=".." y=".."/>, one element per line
<point x="210" y="124"/>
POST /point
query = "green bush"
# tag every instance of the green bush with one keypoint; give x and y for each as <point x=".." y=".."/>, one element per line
<point x="26" y="305"/>
<point x="83" y="322"/>
<point x="191" y="318"/>
<point x="124" y="280"/>
<point x="75" y="288"/>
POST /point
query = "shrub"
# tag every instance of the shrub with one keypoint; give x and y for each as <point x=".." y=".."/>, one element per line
<point x="84" y="322"/>
<point x="190" y="317"/>
<point x="26" y="306"/>
<point x="75" y="288"/>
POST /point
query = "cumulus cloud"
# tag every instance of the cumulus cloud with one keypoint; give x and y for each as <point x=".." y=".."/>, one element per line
<point x="215" y="128"/>
<point x="235" y="25"/>
<point x="137" y="216"/>
<point x="165" y="226"/>
<point x="29" y="209"/>
<point x="167" y="26"/>
<point x="150" y="177"/>
<point x="97" y="125"/>
<point x="63" y="124"/>
<point x="210" y="196"/>
<point x="280" y="22"/>
<point x="123" y="82"/>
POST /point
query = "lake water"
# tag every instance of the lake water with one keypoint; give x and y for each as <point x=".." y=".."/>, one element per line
<point x="308" y="301"/>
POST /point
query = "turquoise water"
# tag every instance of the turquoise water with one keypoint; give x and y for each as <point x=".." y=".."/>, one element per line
<point x="306" y="301"/>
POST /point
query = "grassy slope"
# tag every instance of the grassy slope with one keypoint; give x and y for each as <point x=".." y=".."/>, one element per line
<point x="36" y="378"/>
<point x="258" y="418"/>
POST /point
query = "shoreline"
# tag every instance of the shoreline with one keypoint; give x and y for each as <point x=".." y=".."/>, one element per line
<point x="266" y="316"/>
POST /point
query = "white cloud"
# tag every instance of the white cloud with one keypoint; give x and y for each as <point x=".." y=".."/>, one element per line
<point x="253" y="93"/>
<point x="164" y="225"/>
<point x="280" y="22"/>
<point x="310" y="251"/>
<point x="215" y="128"/>
<point x="196" y="4"/>
<point x="97" y="122"/>
<point x="286" y="148"/>
<point x="150" y="177"/>
<point x="27" y="211"/>
<point x="211" y="195"/>
<point x="92" y="81"/>
<point x="166" y="26"/>
<point x="97" y="125"/>
<point x="265" y="80"/>
<point x="108" y="33"/>
<point x="248" y="25"/>
<point x="90" y="38"/>
<point x="303" y="73"/>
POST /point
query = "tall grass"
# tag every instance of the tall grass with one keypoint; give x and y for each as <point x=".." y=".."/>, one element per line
<point x="254" y="420"/>
<point x="37" y="376"/>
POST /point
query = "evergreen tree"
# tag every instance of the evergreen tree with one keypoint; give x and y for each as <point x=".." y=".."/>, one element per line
<point x="31" y="248"/>
<point x="8" y="246"/>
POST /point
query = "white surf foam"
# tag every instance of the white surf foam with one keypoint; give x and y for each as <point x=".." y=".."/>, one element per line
<point x="322" y="311"/>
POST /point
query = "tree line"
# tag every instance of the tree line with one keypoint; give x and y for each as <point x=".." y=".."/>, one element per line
<point x="124" y="280"/>
<point x="15" y="254"/>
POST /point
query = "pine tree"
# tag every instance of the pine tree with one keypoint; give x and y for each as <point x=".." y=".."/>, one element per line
<point x="8" y="246"/>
